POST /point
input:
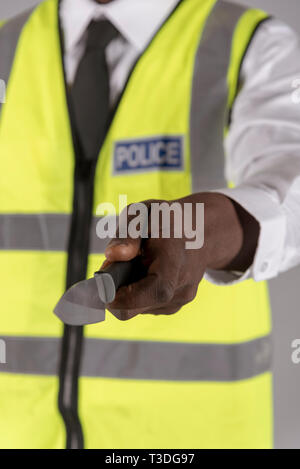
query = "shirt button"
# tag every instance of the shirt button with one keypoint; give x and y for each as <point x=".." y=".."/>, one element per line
<point x="264" y="267"/>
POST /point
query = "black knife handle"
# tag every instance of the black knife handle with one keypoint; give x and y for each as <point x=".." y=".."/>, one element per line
<point x="116" y="275"/>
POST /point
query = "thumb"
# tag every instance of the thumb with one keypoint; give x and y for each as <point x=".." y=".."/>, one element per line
<point x="122" y="249"/>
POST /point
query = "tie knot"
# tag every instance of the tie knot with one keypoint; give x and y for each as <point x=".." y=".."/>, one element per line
<point x="100" y="34"/>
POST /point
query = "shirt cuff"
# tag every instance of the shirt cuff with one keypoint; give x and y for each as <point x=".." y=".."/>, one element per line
<point x="270" y="247"/>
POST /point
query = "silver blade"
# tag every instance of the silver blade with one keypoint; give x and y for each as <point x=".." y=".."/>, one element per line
<point x="81" y="305"/>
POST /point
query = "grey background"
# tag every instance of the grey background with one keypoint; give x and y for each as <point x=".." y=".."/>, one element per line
<point x="284" y="290"/>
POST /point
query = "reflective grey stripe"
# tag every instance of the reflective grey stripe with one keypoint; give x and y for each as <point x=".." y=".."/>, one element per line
<point x="164" y="361"/>
<point x="31" y="355"/>
<point x="9" y="36"/>
<point x="209" y="111"/>
<point x="47" y="232"/>
<point x="42" y="232"/>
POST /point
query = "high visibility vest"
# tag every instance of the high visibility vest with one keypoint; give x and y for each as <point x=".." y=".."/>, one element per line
<point x="200" y="378"/>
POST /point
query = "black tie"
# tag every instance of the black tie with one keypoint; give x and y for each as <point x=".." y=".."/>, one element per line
<point x="90" y="91"/>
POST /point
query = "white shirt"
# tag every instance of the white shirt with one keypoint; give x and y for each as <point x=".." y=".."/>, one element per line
<point x="267" y="110"/>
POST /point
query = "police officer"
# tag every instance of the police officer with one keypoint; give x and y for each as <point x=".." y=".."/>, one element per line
<point x="172" y="101"/>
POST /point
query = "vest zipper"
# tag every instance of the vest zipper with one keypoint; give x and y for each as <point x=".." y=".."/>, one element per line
<point x="72" y="342"/>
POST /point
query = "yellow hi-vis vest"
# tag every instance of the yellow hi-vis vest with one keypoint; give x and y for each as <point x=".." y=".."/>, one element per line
<point x="198" y="379"/>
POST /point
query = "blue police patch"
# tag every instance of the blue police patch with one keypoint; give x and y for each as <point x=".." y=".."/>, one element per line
<point x="148" y="154"/>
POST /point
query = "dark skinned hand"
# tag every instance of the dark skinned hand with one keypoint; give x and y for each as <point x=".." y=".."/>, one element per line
<point x="174" y="272"/>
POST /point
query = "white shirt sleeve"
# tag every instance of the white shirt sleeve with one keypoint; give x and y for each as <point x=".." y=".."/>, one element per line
<point x="263" y="151"/>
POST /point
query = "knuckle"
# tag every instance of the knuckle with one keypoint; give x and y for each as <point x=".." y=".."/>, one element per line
<point x="190" y="294"/>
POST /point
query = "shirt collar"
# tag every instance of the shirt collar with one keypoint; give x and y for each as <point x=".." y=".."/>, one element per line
<point x="136" y="20"/>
